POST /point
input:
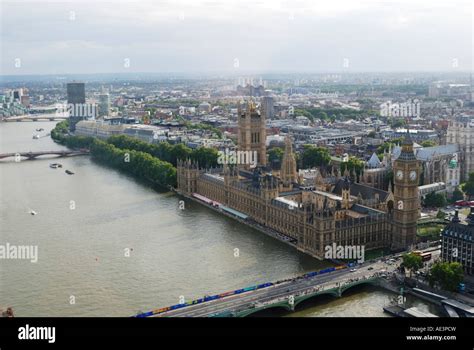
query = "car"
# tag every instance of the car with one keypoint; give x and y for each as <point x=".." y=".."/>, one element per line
<point x="370" y="268"/>
<point x="353" y="270"/>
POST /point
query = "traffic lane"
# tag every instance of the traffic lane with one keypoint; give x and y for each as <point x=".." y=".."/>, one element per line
<point x="280" y="296"/>
<point x="297" y="286"/>
<point x="270" y="295"/>
<point x="284" y="285"/>
<point x="247" y="298"/>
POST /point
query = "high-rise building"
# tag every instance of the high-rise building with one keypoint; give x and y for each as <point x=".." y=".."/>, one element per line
<point x="406" y="170"/>
<point x="76" y="96"/>
<point x="267" y="107"/>
<point x="252" y="132"/>
<point x="104" y="105"/>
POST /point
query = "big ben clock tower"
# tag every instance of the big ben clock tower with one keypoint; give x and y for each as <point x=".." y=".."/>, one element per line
<point x="406" y="172"/>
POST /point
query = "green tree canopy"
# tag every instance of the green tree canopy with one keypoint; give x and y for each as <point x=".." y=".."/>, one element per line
<point x="353" y="164"/>
<point x="412" y="262"/>
<point x="436" y="200"/>
<point x="447" y="275"/>
<point x="468" y="187"/>
<point x="315" y="156"/>
<point x="428" y="143"/>
<point x="275" y="155"/>
<point x="457" y="195"/>
<point x="205" y="156"/>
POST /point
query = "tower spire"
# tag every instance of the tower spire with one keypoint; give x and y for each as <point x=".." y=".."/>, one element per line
<point x="288" y="166"/>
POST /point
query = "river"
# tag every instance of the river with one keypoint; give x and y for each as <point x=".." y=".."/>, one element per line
<point x="109" y="246"/>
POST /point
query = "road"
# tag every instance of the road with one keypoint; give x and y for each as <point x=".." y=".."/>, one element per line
<point x="284" y="290"/>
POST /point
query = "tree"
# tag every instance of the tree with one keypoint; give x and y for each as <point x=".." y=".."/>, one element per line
<point x="447" y="275"/>
<point x="139" y="164"/>
<point x="353" y="164"/>
<point x="275" y="155"/>
<point x="386" y="145"/>
<point x="315" y="156"/>
<point x="206" y="157"/>
<point x="435" y="200"/>
<point x="412" y="262"/>
<point x="468" y="187"/>
<point x="428" y="143"/>
<point x="397" y="123"/>
<point x="457" y="195"/>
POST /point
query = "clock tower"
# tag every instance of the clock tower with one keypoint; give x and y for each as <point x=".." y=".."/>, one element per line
<point x="406" y="174"/>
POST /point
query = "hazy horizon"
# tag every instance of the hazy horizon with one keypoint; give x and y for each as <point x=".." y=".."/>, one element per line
<point x="235" y="37"/>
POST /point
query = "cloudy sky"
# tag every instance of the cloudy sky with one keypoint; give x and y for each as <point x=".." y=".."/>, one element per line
<point x="94" y="36"/>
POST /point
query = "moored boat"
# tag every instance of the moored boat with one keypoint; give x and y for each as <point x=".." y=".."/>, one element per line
<point x="55" y="165"/>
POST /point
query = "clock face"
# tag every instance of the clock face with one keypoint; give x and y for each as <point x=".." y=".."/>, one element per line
<point x="413" y="175"/>
<point x="399" y="174"/>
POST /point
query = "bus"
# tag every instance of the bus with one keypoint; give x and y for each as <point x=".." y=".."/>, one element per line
<point x="424" y="256"/>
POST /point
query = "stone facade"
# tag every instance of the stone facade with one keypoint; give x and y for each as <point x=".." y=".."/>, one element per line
<point x="461" y="132"/>
<point x="344" y="213"/>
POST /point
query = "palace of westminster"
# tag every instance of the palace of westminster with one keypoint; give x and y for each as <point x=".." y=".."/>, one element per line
<point x="337" y="209"/>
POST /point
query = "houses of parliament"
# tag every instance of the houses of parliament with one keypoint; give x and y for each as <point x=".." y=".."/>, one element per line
<point x="335" y="210"/>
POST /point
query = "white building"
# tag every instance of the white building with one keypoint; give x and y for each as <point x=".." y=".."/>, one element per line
<point x="461" y="132"/>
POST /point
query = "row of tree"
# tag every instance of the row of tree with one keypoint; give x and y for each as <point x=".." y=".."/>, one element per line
<point x="311" y="157"/>
<point x="60" y="132"/>
<point x="353" y="164"/>
<point x="435" y="200"/>
<point x="332" y="114"/>
<point x="153" y="162"/>
<point x="140" y="164"/>
<point x="206" y="157"/>
<point x="446" y="275"/>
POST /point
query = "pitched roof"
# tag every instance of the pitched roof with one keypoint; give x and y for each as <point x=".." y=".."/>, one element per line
<point x="429" y="152"/>
<point x="365" y="191"/>
<point x="374" y="161"/>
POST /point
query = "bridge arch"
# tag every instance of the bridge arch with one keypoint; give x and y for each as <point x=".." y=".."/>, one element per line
<point x="332" y="292"/>
<point x="372" y="281"/>
<point x="282" y="305"/>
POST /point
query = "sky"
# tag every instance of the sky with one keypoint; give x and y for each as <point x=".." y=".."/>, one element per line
<point x="232" y="36"/>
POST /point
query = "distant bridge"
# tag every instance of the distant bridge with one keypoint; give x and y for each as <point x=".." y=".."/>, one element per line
<point x="36" y="117"/>
<point x="33" y="155"/>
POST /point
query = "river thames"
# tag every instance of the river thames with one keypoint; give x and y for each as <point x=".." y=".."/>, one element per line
<point x="110" y="246"/>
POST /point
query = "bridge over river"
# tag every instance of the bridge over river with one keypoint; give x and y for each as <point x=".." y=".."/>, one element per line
<point x="285" y="294"/>
<point x="33" y="155"/>
<point x="36" y="117"/>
